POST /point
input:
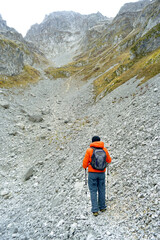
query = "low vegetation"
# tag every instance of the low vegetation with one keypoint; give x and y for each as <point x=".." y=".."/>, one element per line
<point x="145" y="68"/>
<point x="65" y="71"/>
<point x="28" y="75"/>
<point x="112" y="66"/>
<point x="139" y="48"/>
<point x="13" y="46"/>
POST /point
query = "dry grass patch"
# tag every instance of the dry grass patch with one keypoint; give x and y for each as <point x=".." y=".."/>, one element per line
<point x="145" y="67"/>
<point x="29" y="75"/>
<point x="65" y="71"/>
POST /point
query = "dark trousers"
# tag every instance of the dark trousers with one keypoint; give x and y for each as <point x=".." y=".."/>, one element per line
<point x="96" y="183"/>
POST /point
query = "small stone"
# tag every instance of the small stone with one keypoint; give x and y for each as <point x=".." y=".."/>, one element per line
<point x="9" y="225"/>
<point x="108" y="233"/>
<point x="40" y="163"/>
<point x="21" y="126"/>
<point x="29" y="174"/>
<point x="35" y="118"/>
<point x="23" y="238"/>
<point x="45" y="111"/>
<point x="73" y="228"/>
<point x="13" y="155"/>
<point x="22" y="110"/>
<point x="49" y="156"/>
<point x="35" y="185"/>
<point x="67" y="121"/>
<point x="15" y="235"/>
<point x="4" y="192"/>
<point x="4" y="104"/>
<point x="43" y="137"/>
<point x="90" y="237"/>
<point x="51" y="235"/>
<point x="15" y="230"/>
<point x="14" y="133"/>
<point x="155" y="89"/>
<point x="141" y="128"/>
<point x="60" y="223"/>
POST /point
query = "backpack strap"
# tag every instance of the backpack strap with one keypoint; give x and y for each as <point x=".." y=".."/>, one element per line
<point x="91" y="155"/>
<point x="96" y="148"/>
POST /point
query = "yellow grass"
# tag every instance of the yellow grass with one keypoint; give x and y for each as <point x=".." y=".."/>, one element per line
<point x="28" y="75"/>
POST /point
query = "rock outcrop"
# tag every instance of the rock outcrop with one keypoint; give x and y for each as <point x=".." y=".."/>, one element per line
<point x="134" y="6"/>
<point x="138" y="18"/>
<point x="147" y="43"/>
<point x="64" y="33"/>
<point x="15" y="52"/>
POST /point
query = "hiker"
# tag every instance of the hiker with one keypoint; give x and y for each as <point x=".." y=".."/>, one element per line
<point x="96" y="159"/>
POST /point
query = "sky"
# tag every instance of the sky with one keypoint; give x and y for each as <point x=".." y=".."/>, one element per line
<point x="22" y="14"/>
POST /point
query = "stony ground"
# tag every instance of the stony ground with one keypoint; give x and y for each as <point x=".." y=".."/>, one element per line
<point x="45" y="130"/>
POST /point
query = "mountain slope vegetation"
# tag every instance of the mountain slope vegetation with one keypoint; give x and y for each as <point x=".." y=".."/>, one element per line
<point x="129" y="47"/>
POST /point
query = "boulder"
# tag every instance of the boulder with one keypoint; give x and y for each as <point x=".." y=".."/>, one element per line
<point x="29" y="174"/>
<point x="35" y="118"/>
<point x="4" y="104"/>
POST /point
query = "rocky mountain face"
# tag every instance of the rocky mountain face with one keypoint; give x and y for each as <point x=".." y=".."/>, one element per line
<point x="64" y="33"/>
<point x="15" y="52"/>
<point x="139" y="17"/>
<point x="11" y="59"/>
<point x="150" y="29"/>
<point x="138" y="25"/>
<point x="114" y="52"/>
<point x="3" y="25"/>
<point x="134" y="6"/>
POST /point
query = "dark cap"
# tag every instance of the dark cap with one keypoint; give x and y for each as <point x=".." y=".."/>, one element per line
<point x="95" y="139"/>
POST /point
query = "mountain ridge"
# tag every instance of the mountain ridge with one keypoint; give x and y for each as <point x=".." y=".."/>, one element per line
<point x="63" y="32"/>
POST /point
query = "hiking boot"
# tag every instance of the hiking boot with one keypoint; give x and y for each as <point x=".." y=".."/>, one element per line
<point x="95" y="214"/>
<point x="103" y="210"/>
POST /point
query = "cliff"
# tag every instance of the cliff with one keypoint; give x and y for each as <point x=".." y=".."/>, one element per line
<point x="63" y="34"/>
<point x="17" y="57"/>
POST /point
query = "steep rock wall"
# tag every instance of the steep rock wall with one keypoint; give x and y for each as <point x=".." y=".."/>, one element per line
<point x="64" y="32"/>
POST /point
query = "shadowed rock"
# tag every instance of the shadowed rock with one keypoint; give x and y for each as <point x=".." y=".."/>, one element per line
<point x="4" y="104"/>
<point x="35" y="118"/>
<point x="29" y="174"/>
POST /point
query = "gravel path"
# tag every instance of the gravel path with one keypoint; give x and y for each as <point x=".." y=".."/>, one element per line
<point x="44" y="132"/>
